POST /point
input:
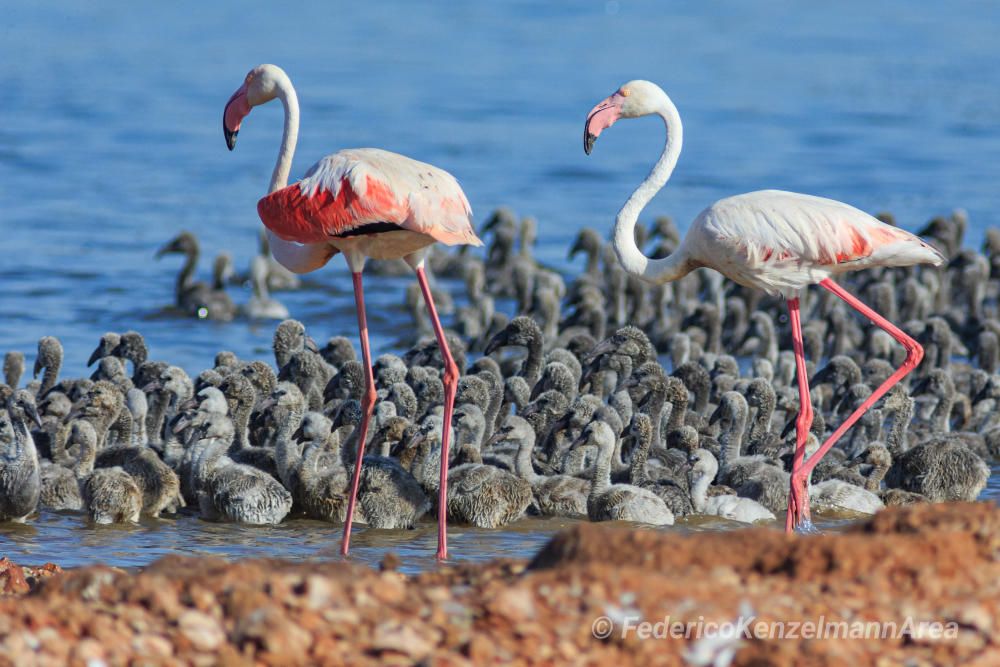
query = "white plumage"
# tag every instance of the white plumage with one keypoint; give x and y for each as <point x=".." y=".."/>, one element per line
<point x="777" y="242"/>
<point x="781" y="242"/>
<point x="432" y="196"/>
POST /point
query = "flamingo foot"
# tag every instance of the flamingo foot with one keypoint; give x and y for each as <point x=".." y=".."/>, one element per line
<point x="442" y="550"/>
<point x="790" y="515"/>
<point x="345" y="547"/>
<point x="798" y="519"/>
<point x="807" y="527"/>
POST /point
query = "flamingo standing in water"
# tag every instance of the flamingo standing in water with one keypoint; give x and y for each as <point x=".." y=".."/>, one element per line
<point x="363" y="202"/>
<point x="775" y="241"/>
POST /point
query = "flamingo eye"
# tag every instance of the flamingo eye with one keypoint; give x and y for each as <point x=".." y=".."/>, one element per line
<point x="624" y="92"/>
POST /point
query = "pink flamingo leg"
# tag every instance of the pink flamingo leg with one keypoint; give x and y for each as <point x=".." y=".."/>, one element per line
<point x="367" y="406"/>
<point x="797" y="497"/>
<point x="450" y="387"/>
<point x="914" y="354"/>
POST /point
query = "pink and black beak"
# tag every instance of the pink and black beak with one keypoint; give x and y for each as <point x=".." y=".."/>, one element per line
<point x="601" y="118"/>
<point x="237" y="109"/>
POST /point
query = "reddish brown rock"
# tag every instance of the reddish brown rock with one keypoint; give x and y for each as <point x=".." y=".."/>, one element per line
<point x="924" y="564"/>
<point x="12" y="581"/>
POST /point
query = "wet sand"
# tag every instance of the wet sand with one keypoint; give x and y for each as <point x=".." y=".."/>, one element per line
<point x="932" y="571"/>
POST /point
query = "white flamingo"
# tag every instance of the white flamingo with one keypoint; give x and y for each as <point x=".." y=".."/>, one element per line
<point x="778" y="242"/>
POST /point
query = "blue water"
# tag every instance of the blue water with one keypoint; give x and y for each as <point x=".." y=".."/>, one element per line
<point x="110" y="140"/>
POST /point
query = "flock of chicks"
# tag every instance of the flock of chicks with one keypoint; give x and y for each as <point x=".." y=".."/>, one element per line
<point x="566" y="410"/>
<point x="211" y="300"/>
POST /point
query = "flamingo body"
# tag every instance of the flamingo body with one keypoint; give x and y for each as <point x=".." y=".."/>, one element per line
<point x="778" y="242"/>
<point x="362" y="202"/>
<point x="383" y="204"/>
<point x="781" y="242"/>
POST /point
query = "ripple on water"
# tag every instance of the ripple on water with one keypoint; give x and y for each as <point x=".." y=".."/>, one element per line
<point x="67" y="539"/>
<point x="100" y="165"/>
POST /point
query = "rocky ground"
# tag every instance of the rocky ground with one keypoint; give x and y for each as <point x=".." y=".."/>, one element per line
<point x="932" y="563"/>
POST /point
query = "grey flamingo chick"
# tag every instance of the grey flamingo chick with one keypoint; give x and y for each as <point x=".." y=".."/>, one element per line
<point x="50" y="358"/>
<point x="241" y="493"/>
<point x="389" y="497"/>
<point x="941" y="470"/>
<point x="704" y="466"/>
<point x="524" y="332"/>
<point x="196" y="298"/>
<point x="20" y="485"/>
<point x="110" y="495"/>
<point x="108" y="342"/>
<point x="13" y="368"/>
<point x="132" y="347"/>
<point x="61" y="484"/>
<point x="666" y="487"/>
<point x="841" y="496"/>
<point x="290" y="337"/>
<point x="619" y="502"/>
<point x="480" y="494"/>
<point x="554" y="495"/>
<point x="158" y="484"/>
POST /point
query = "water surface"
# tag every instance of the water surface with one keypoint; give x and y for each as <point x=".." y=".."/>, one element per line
<point x="111" y="143"/>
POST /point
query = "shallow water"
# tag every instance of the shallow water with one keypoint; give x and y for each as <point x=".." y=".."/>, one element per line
<point x="67" y="539"/>
<point x="110" y="144"/>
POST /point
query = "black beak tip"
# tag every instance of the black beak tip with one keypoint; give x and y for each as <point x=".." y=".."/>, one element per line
<point x="230" y="137"/>
<point x="495" y="344"/>
<point x="588" y="142"/>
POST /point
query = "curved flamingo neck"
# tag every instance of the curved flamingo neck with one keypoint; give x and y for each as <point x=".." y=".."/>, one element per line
<point x="289" y="136"/>
<point x="296" y="257"/>
<point x="632" y="259"/>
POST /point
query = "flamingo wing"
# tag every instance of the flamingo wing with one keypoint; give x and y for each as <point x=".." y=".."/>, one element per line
<point x="365" y="191"/>
<point x="782" y="241"/>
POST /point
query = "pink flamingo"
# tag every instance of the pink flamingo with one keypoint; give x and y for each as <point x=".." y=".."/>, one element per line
<point x="363" y="202"/>
<point x="779" y="242"/>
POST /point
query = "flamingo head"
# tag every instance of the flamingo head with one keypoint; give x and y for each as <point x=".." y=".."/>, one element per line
<point x="632" y="100"/>
<point x="262" y="84"/>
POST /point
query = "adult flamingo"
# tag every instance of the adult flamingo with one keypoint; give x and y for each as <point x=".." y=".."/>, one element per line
<point x="779" y="242"/>
<point x="363" y="202"/>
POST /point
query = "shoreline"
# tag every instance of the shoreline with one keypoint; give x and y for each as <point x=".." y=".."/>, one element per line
<point x="927" y="563"/>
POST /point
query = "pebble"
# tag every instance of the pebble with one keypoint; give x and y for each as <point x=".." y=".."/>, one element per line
<point x="201" y="630"/>
<point x="492" y="613"/>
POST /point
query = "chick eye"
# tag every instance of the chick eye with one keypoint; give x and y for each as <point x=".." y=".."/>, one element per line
<point x="624" y="92"/>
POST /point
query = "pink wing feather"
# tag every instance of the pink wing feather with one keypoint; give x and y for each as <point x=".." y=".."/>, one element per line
<point x="782" y="241"/>
<point x="357" y="187"/>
